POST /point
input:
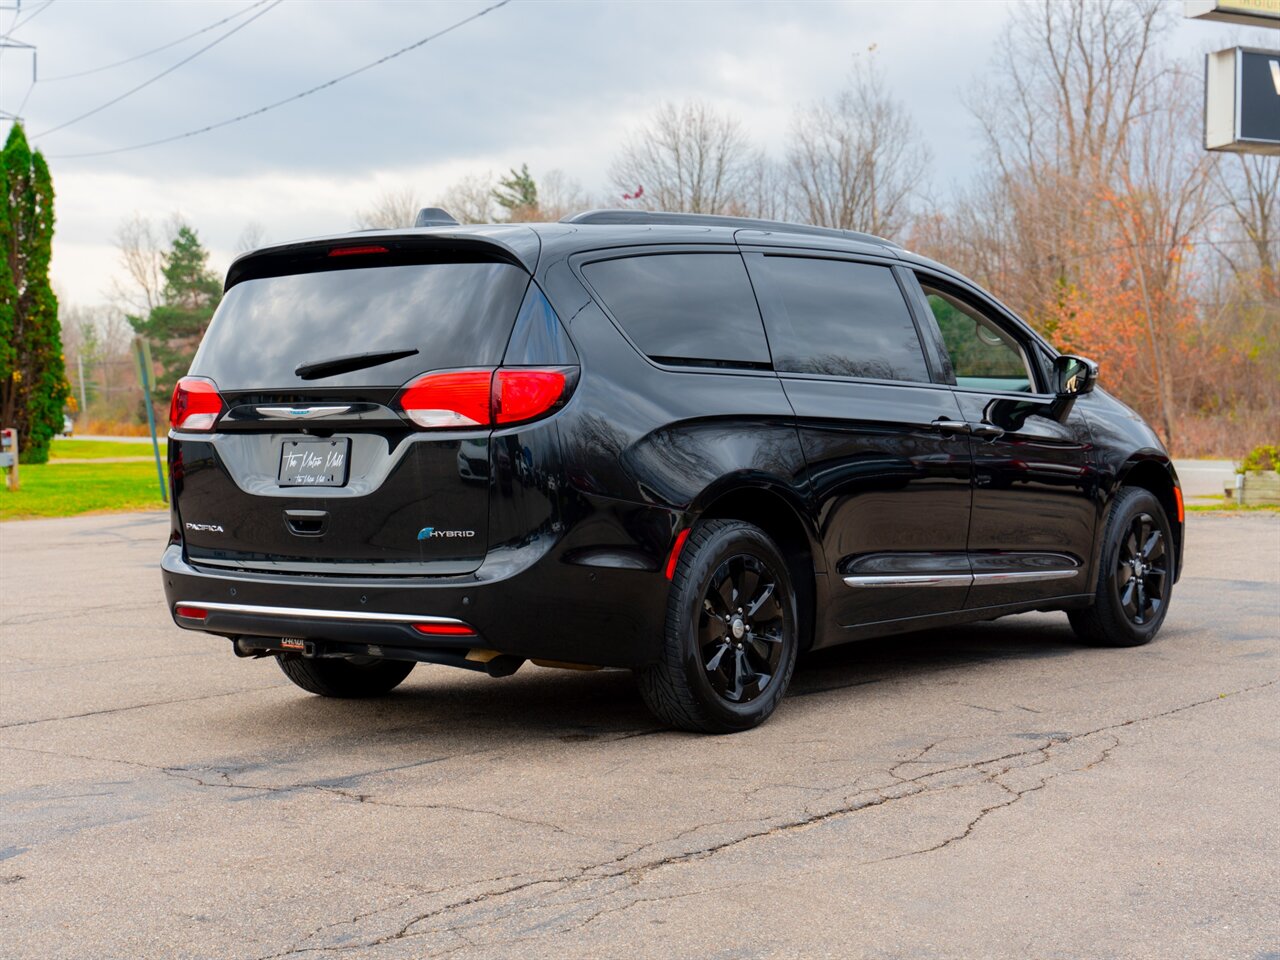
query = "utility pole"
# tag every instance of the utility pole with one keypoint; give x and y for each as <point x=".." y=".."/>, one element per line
<point x="80" y="369"/>
<point x="8" y="43"/>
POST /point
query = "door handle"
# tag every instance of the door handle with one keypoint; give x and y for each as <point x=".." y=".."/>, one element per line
<point x="947" y="425"/>
<point x="988" y="431"/>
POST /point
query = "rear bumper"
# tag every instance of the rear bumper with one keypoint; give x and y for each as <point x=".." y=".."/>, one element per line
<point x="549" y="610"/>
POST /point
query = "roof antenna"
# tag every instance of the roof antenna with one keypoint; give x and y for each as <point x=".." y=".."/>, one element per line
<point x="434" y="217"/>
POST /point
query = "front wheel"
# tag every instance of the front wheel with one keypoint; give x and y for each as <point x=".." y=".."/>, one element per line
<point x="355" y="677"/>
<point x="730" y="640"/>
<point x="1135" y="576"/>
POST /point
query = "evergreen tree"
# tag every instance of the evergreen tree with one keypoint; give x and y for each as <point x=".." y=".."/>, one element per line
<point x="518" y="194"/>
<point x="174" y="327"/>
<point x="33" y="382"/>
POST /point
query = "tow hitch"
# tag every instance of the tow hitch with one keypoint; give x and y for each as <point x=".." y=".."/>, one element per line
<point x="492" y="662"/>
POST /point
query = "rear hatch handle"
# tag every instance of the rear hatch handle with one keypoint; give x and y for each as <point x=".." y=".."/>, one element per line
<point x="306" y="523"/>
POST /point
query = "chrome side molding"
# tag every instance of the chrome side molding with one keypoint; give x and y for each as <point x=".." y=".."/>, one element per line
<point x="1013" y="576"/>
<point x="956" y="579"/>
<point x="911" y="580"/>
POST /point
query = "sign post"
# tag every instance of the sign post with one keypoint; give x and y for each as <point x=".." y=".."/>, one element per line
<point x="142" y="355"/>
<point x="9" y="455"/>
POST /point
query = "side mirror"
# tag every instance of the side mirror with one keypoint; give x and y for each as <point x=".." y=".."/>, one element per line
<point x="1073" y="376"/>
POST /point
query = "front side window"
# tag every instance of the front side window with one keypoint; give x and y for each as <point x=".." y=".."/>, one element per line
<point x="837" y="318"/>
<point x="684" y="308"/>
<point x="983" y="355"/>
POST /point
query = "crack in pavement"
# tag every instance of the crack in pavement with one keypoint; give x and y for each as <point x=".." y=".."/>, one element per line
<point x="618" y="868"/>
<point x="327" y="787"/>
<point x="624" y="866"/>
<point x="138" y="706"/>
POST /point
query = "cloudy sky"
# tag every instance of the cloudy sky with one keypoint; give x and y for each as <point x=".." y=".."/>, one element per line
<point x="553" y="84"/>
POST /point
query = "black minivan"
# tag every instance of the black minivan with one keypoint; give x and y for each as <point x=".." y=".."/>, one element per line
<point x="692" y="446"/>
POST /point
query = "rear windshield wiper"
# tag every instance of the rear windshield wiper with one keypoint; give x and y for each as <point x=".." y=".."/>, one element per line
<point x="357" y="361"/>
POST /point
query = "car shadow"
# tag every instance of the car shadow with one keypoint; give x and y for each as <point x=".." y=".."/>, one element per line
<point x="469" y="708"/>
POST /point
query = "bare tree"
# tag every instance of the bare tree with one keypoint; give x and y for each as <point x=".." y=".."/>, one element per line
<point x="251" y="237"/>
<point x="1249" y="187"/>
<point x="391" y="210"/>
<point x="470" y="200"/>
<point x="687" y="157"/>
<point x="1076" y="81"/>
<point x="766" y="192"/>
<point x="1075" y="77"/>
<point x="857" y="159"/>
<point x="142" y="247"/>
<point x="560" y="196"/>
<point x="1162" y="202"/>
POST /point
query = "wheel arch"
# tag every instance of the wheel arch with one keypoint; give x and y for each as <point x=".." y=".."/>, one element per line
<point x="1155" y="473"/>
<point x="780" y="514"/>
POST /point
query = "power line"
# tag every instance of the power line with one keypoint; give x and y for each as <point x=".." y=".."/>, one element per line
<point x="166" y="46"/>
<point x="27" y="19"/>
<point x="146" y="83"/>
<point x="296" y="96"/>
<point x="17" y="114"/>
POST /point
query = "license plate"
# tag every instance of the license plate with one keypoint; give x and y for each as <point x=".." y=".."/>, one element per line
<point x="313" y="462"/>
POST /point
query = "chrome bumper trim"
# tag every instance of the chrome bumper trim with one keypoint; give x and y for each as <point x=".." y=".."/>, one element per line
<point x="310" y="614"/>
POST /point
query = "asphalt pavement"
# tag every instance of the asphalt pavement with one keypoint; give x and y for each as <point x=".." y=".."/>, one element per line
<point x="995" y="790"/>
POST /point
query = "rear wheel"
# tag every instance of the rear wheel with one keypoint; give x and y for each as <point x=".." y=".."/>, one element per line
<point x="730" y="640"/>
<point x="1135" y="576"/>
<point x="356" y="677"/>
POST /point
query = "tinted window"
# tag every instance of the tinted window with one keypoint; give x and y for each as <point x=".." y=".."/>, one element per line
<point x="538" y="338"/>
<point x="453" y="314"/>
<point x="687" y="307"/>
<point x="983" y="355"/>
<point x="837" y="318"/>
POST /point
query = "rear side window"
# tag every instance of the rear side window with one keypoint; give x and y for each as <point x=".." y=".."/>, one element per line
<point x="684" y="308"/>
<point x="452" y="314"/>
<point x="837" y="318"/>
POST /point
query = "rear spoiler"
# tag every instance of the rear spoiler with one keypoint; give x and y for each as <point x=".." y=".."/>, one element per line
<point x="519" y="246"/>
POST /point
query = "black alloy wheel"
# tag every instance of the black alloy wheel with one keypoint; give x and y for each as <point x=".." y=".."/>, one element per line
<point x="730" y="642"/>
<point x="1142" y="574"/>
<point x="740" y="631"/>
<point x="1135" y="575"/>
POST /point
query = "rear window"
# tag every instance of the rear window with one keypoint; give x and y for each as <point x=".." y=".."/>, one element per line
<point x="837" y="318"/>
<point x="453" y="314"/>
<point x="684" y="308"/>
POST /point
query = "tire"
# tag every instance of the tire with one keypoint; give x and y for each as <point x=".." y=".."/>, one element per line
<point x="708" y="677"/>
<point x="366" y="677"/>
<point x="1130" y="603"/>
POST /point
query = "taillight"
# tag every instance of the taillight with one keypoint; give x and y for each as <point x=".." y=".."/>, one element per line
<point x="459" y="398"/>
<point x="196" y="404"/>
<point x="524" y="394"/>
<point x="482" y="398"/>
<point x="191" y="613"/>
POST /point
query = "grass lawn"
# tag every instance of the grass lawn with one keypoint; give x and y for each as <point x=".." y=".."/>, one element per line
<point x="1220" y="505"/>
<point x="64" y="489"/>
<point x="63" y="448"/>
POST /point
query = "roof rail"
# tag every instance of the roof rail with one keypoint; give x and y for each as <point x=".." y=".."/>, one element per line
<point x="654" y="217"/>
